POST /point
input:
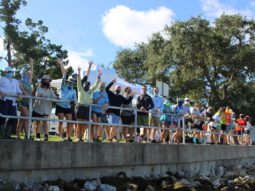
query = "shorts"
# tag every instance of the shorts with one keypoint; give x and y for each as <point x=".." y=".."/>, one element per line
<point x="99" y="115"/>
<point x="247" y="132"/>
<point x="198" y="127"/>
<point x="223" y="127"/>
<point x="127" y="120"/>
<point x="154" y="121"/>
<point x="63" y="110"/>
<point x="142" y="120"/>
<point x="34" y="114"/>
<point x="73" y="113"/>
<point x="82" y="112"/>
<point x="25" y="103"/>
<point x="115" y="119"/>
<point x="239" y="132"/>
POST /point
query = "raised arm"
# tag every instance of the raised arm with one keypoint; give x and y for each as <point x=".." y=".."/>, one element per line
<point x="98" y="80"/>
<point x="79" y="86"/>
<point x="63" y="71"/>
<point x="31" y="73"/>
<point x="89" y="68"/>
<point x="61" y="65"/>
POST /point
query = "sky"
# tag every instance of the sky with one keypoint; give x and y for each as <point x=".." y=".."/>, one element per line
<point x="96" y="30"/>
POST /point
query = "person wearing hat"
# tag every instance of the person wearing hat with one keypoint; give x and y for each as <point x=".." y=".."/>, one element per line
<point x="42" y="107"/>
<point x="26" y="88"/>
<point x="8" y="104"/>
<point x="63" y="109"/>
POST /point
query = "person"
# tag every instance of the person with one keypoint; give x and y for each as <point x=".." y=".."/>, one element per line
<point x="26" y="88"/>
<point x="127" y="116"/>
<point x="100" y="98"/>
<point x="116" y="100"/>
<point x="223" y="126"/>
<point x="241" y="123"/>
<point x="179" y="112"/>
<point x="63" y="109"/>
<point x="84" y="99"/>
<point x="144" y="104"/>
<point x="247" y="130"/>
<point x="8" y="104"/>
<point x="42" y="108"/>
<point x="154" y="117"/>
<point x="165" y="119"/>
<point x="197" y="117"/>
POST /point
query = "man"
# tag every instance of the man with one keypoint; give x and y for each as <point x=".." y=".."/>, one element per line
<point x="155" y="112"/>
<point x="116" y="100"/>
<point x="144" y="104"/>
<point x="8" y="105"/>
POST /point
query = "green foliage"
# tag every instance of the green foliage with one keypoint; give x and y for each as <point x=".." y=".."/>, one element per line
<point x="204" y="61"/>
<point x="23" y="45"/>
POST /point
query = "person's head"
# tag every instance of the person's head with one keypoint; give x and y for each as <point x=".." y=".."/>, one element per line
<point x="179" y="101"/>
<point x="102" y="86"/>
<point x="9" y="72"/>
<point x="86" y="86"/>
<point x="241" y="116"/>
<point x="74" y="77"/>
<point x="155" y="90"/>
<point x="209" y="109"/>
<point x="117" y="89"/>
<point x="247" y="118"/>
<point x="69" y="83"/>
<point x="186" y="101"/>
<point x="198" y="105"/>
<point x="45" y="81"/>
<point x="144" y="89"/>
<point x="128" y="90"/>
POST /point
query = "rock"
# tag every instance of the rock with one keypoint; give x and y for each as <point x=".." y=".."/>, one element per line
<point x="132" y="187"/>
<point x="150" y="188"/>
<point x="54" y="188"/>
<point x="195" y="184"/>
<point x="91" y="185"/>
<point x="220" y="171"/>
<point x="106" y="187"/>
<point x="229" y="175"/>
<point x="181" y="187"/>
<point x="216" y="183"/>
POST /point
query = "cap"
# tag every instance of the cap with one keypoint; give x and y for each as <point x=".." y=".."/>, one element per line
<point x="46" y="77"/>
<point x="186" y="99"/>
<point x="9" y="69"/>
<point x="70" y="79"/>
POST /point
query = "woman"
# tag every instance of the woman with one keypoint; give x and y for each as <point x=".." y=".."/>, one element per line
<point x="165" y="119"/>
<point x="63" y="109"/>
<point x="247" y="131"/>
<point x="197" y="117"/>
<point x="84" y="99"/>
<point x="241" y="124"/>
<point x="42" y="107"/>
<point x="26" y="88"/>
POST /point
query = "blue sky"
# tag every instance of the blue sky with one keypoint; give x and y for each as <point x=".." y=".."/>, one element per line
<point x="97" y="29"/>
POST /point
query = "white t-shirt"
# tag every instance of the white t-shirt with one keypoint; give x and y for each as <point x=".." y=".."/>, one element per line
<point x="10" y="87"/>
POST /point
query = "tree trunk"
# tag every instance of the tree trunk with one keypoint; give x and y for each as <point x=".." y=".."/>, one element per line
<point x="9" y="55"/>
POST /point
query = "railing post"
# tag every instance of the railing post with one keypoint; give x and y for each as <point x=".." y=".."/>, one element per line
<point x="183" y="130"/>
<point x="30" y="116"/>
<point x="135" y="123"/>
<point x="89" y="129"/>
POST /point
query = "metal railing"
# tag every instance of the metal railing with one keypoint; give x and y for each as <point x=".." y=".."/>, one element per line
<point x="179" y="118"/>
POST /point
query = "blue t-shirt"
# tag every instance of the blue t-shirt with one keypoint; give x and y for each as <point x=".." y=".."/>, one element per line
<point x="67" y="95"/>
<point x="101" y="102"/>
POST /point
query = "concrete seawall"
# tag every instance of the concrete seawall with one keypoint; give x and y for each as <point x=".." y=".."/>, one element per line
<point x="39" y="161"/>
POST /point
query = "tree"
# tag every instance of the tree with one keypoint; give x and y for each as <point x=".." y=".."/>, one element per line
<point x="32" y="43"/>
<point x="207" y="62"/>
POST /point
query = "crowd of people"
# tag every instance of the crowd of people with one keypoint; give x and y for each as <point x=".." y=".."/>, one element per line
<point x="151" y="119"/>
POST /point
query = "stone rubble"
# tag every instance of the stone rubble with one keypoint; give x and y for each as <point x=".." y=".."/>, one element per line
<point x="235" y="178"/>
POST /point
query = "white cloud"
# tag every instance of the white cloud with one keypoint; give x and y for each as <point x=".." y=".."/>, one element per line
<point x="214" y="8"/>
<point x="124" y="27"/>
<point x="80" y="59"/>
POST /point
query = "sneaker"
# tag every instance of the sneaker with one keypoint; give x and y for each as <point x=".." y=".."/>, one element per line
<point x="45" y="139"/>
<point x="69" y="140"/>
<point x="37" y="139"/>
